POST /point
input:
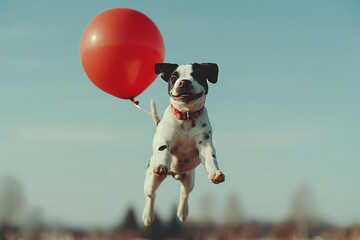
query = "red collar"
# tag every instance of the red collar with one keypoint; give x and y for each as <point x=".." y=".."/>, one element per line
<point x="186" y="115"/>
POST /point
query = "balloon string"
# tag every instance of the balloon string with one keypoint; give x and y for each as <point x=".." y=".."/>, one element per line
<point x="136" y="104"/>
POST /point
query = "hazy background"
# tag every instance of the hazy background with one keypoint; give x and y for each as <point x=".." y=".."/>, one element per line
<point x="285" y="111"/>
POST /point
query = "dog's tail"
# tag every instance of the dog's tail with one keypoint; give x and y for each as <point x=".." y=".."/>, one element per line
<point x="154" y="113"/>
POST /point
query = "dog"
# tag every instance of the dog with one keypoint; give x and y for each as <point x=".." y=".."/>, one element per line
<point x="183" y="138"/>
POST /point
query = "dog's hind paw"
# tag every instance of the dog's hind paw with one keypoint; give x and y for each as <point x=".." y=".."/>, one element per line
<point x="183" y="211"/>
<point x="217" y="177"/>
<point x="161" y="170"/>
<point x="147" y="218"/>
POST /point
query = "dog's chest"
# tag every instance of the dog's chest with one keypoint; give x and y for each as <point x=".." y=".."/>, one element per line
<point x="184" y="152"/>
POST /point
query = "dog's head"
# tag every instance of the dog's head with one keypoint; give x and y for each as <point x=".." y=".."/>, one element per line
<point x="187" y="83"/>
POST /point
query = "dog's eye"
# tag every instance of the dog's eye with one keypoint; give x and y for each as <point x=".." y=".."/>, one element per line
<point x="173" y="78"/>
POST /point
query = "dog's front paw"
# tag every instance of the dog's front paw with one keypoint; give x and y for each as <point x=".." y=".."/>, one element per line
<point x="161" y="170"/>
<point x="216" y="177"/>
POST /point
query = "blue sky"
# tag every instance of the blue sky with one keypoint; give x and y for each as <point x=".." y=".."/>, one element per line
<point x="285" y="111"/>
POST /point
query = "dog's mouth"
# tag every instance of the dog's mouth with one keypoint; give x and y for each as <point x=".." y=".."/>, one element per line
<point x="187" y="96"/>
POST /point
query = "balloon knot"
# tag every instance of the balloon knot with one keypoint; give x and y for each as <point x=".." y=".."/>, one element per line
<point x="134" y="102"/>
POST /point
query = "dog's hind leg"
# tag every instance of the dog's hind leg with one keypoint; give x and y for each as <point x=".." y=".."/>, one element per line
<point x="152" y="182"/>
<point x="187" y="186"/>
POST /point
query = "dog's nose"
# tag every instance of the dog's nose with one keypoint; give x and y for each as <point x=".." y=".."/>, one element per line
<point x="184" y="83"/>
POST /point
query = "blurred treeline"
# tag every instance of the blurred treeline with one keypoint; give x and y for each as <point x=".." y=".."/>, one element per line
<point x="19" y="221"/>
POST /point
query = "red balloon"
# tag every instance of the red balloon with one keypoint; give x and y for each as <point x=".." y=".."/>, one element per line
<point x="118" y="51"/>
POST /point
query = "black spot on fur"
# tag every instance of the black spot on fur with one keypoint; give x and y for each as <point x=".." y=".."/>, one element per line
<point x="205" y="71"/>
<point x="193" y="123"/>
<point x="162" y="148"/>
<point x="206" y="136"/>
<point x="214" y="156"/>
<point x="204" y="125"/>
<point x="200" y="142"/>
<point x="166" y="69"/>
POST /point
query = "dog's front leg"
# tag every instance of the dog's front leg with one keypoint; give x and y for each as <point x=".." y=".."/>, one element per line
<point x="162" y="159"/>
<point x="162" y="144"/>
<point x="208" y="159"/>
<point x="162" y="156"/>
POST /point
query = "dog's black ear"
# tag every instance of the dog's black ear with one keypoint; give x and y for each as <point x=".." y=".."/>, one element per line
<point x="165" y="69"/>
<point x="211" y="71"/>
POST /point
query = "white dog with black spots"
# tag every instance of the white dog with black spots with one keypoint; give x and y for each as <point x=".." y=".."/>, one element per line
<point x="183" y="138"/>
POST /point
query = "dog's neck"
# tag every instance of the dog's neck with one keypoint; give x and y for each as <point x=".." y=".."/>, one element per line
<point x="186" y="115"/>
<point x="193" y="106"/>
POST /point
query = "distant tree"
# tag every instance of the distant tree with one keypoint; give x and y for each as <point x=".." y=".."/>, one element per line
<point x="12" y="200"/>
<point x="6" y="230"/>
<point x="207" y="208"/>
<point x="233" y="212"/>
<point x="255" y="229"/>
<point x="303" y="211"/>
<point x="155" y="230"/>
<point x="284" y="231"/>
<point x="129" y="223"/>
<point x="32" y="219"/>
<point x="174" y="228"/>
